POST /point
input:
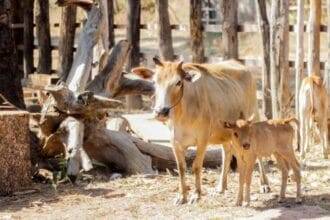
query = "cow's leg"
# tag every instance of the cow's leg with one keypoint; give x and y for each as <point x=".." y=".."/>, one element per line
<point x="324" y="137"/>
<point x="226" y="159"/>
<point x="241" y="170"/>
<point x="197" y="170"/>
<point x="303" y="135"/>
<point x="264" y="184"/>
<point x="179" y="153"/>
<point x="248" y="178"/>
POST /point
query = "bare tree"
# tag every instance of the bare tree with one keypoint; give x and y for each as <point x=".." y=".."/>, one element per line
<point x="133" y="37"/>
<point x="10" y="76"/>
<point x="196" y="31"/>
<point x="314" y="37"/>
<point x="228" y="10"/>
<point x="164" y="30"/>
<point x="28" y="36"/>
<point x="265" y="33"/>
<point x="299" y="51"/>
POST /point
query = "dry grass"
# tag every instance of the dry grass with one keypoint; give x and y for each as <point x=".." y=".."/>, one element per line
<point x="152" y="198"/>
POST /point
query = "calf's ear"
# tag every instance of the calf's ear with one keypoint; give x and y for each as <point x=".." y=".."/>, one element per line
<point x="143" y="72"/>
<point x="191" y="75"/>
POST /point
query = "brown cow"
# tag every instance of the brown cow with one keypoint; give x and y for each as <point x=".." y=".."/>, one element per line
<point x="195" y="98"/>
<point x="263" y="139"/>
<point x="313" y="107"/>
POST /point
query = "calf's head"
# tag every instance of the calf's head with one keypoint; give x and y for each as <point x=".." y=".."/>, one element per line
<point x="169" y="79"/>
<point x="241" y="132"/>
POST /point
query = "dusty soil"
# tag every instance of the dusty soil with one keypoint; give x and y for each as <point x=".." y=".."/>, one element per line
<point x="96" y="197"/>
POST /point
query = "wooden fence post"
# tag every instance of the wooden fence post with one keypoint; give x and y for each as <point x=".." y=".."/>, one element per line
<point x="284" y="89"/>
<point x="111" y="13"/>
<point x="299" y="51"/>
<point x="327" y="70"/>
<point x="265" y="33"/>
<point x="28" y="37"/>
<point x="66" y="43"/>
<point x="133" y="37"/>
<point x="228" y="10"/>
<point x="164" y="30"/>
<point x="196" y="31"/>
<point x="274" y="57"/>
<point x="314" y="37"/>
<point x="43" y="36"/>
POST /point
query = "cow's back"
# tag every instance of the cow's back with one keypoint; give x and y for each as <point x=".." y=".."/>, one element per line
<point x="225" y="92"/>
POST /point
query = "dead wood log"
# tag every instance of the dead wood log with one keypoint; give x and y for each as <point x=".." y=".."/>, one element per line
<point x="85" y="4"/>
<point x="108" y="79"/>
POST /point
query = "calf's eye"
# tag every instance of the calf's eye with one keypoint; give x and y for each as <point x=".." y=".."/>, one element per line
<point x="235" y="134"/>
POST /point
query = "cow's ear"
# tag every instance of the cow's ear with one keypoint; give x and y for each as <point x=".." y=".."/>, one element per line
<point x="191" y="75"/>
<point x="143" y="72"/>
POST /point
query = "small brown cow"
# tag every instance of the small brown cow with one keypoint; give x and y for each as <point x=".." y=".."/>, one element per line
<point x="313" y="107"/>
<point x="263" y="139"/>
<point x="195" y="99"/>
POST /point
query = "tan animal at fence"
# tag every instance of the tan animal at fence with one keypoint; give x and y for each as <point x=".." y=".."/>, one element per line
<point x="313" y="107"/>
<point x="194" y="99"/>
<point x="263" y="139"/>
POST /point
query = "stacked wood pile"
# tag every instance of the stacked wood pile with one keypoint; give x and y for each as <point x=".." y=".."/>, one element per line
<point x="15" y="163"/>
<point x="75" y="119"/>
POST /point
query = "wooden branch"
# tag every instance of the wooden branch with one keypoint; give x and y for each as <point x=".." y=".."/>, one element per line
<point x="85" y="4"/>
<point x="82" y="64"/>
<point x="134" y="87"/>
<point x="108" y="80"/>
<point x="72" y="137"/>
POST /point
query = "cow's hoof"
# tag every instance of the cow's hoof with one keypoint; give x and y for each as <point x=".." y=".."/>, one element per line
<point x="72" y="178"/>
<point x="238" y="203"/>
<point x="264" y="189"/>
<point x="299" y="200"/>
<point x="281" y="200"/>
<point x="179" y="200"/>
<point x="194" y="198"/>
<point x="246" y="204"/>
<point x="220" y="189"/>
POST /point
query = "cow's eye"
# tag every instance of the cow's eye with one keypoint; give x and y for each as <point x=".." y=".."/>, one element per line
<point x="178" y="83"/>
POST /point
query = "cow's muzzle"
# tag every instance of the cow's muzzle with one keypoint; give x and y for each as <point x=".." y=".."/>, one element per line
<point x="162" y="114"/>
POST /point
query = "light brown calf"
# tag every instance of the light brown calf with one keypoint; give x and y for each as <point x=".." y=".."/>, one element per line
<point x="313" y="107"/>
<point x="263" y="139"/>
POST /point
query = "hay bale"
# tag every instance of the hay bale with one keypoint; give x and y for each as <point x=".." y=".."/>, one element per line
<point x="15" y="163"/>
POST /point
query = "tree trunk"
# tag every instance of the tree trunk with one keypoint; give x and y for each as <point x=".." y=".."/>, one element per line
<point x="196" y="31"/>
<point x="299" y="51"/>
<point x="66" y="44"/>
<point x="43" y="35"/>
<point x="265" y="33"/>
<point x="274" y="56"/>
<point x="111" y="14"/>
<point x="327" y="71"/>
<point x="228" y="10"/>
<point x="10" y="76"/>
<point x="164" y="30"/>
<point x="284" y="89"/>
<point x="314" y="37"/>
<point x="28" y="37"/>
<point x="133" y="37"/>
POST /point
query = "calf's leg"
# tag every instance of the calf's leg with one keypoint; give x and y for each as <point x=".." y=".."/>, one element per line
<point x="226" y="159"/>
<point x="264" y="184"/>
<point x="241" y="170"/>
<point x="248" y="178"/>
<point x="285" y="170"/>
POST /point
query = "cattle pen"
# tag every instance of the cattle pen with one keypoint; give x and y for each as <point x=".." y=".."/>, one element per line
<point x="79" y="123"/>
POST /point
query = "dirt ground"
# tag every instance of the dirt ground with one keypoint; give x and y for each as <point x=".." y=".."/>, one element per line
<point x="143" y="197"/>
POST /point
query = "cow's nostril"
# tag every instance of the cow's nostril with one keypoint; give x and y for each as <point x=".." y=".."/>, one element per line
<point x="165" y="111"/>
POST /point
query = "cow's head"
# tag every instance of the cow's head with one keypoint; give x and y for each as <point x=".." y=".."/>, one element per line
<point x="241" y="132"/>
<point x="169" y="79"/>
